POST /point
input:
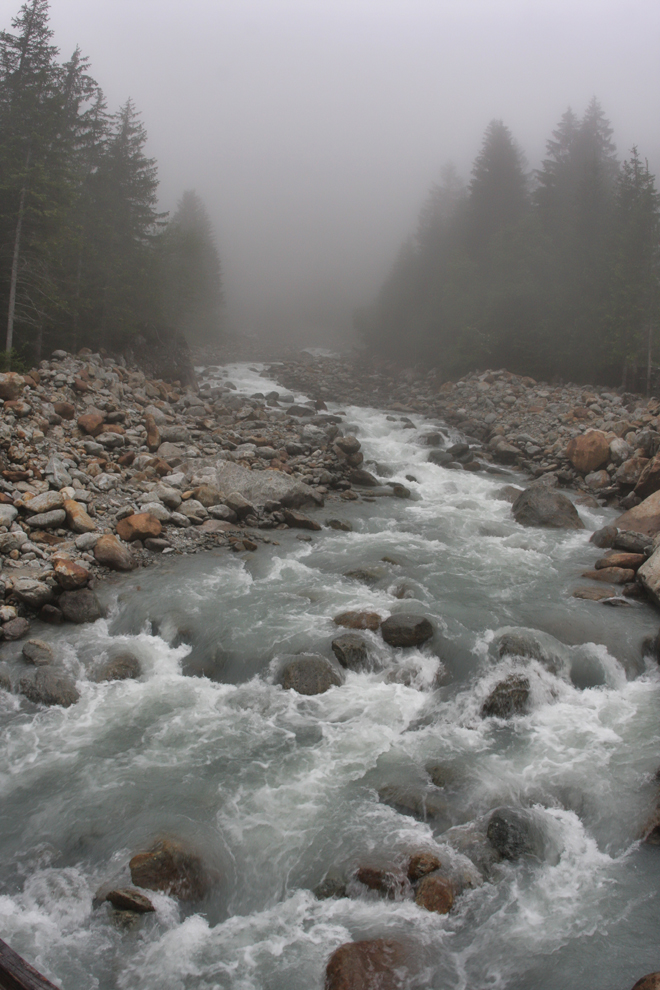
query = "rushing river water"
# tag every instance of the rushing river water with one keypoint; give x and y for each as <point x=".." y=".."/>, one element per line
<point x="277" y="789"/>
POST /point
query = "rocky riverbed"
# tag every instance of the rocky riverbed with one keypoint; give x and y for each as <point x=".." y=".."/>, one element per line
<point x="405" y="662"/>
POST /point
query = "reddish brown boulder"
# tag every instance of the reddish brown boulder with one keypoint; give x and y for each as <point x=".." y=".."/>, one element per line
<point x="649" y="479"/>
<point x="435" y="894"/>
<point x="139" y="527"/>
<point x="299" y="520"/>
<point x="389" y="883"/>
<point x="358" y="620"/>
<point x="594" y="594"/>
<point x="65" y="409"/>
<point x="589" y="451"/>
<point x="420" y="864"/>
<point x="113" y="554"/>
<point x="375" y="964"/>
<point x="172" y="867"/>
<point x="613" y="575"/>
<point x="153" y="436"/>
<point x="650" y="982"/>
<point x="91" y="423"/>
<point x="77" y="517"/>
<point x="80" y="386"/>
<point x="127" y="899"/>
<point x="68" y="574"/>
<point x="631" y="560"/>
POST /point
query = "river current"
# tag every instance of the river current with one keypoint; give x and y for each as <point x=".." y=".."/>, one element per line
<point x="277" y="789"/>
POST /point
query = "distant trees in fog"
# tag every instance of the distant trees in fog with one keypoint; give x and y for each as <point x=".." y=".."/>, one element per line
<point x="549" y="274"/>
<point x="85" y="255"/>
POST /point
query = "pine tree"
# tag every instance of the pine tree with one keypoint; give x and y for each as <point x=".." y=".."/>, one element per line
<point x="498" y="190"/>
<point x="191" y="275"/>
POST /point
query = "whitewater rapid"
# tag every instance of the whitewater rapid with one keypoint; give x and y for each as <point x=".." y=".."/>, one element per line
<point x="277" y="790"/>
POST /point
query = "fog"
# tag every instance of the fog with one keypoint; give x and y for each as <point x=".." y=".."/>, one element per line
<point x="313" y="129"/>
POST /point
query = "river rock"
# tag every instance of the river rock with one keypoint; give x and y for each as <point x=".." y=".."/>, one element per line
<point x="168" y="495"/>
<point x="358" y="620"/>
<point x="648" y="576"/>
<point x="508" y="698"/>
<point x="621" y="559"/>
<point x="439" y="457"/>
<point x="239" y="505"/>
<point x="376" y="964"/>
<point x="541" y="506"/>
<point x="604" y="538"/>
<point x="50" y="687"/>
<point x="172" y="867"/>
<point x="12" y="541"/>
<point x="77" y="517"/>
<point x="435" y="893"/>
<point x="258" y="487"/>
<point x="512" y="834"/>
<point x="16" y="628"/>
<point x="362" y="478"/>
<point x="348" y="444"/>
<point x="351" y="652"/>
<point x="629" y="473"/>
<point x="65" y="410"/>
<point x="80" y="606"/>
<point x="122" y="667"/>
<point x="11" y="386"/>
<point x="642" y="518"/>
<point x="91" y="423"/>
<point x="391" y="884"/>
<point x="38" y="652"/>
<point x="414" y="800"/>
<point x="32" y="592"/>
<point x="613" y="575"/>
<point x="127" y="899"/>
<point x="154" y="438"/>
<point x="420" y="864"/>
<point x="631" y="542"/>
<point x="47" y="520"/>
<point x="7" y="515"/>
<point x="111" y="553"/>
<point x="594" y="594"/>
<point x="207" y="495"/>
<point x="298" y="520"/>
<point x="649" y="480"/>
<point x="138" y="527"/>
<point x="589" y="451"/>
<point x="402" y="629"/>
<point x="68" y="574"/>
<point x="308" y="673"/>
<point x="45" y="502"/>
<point x="649" y="982"/>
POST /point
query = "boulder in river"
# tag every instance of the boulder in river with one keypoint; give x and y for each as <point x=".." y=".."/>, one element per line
<point x="80" y="606"/>
<point x="390" y="883"/>
<point x="308" y="673"/>
<point x="351" y="652"/>
<point x="122" y="667"/>
<point x="69" y="574"/>
<point x="358" y="620"/>
<point x="513" y="834"/>
<point x="16" y="628"/>
<point x="127" y="899"/>
<point x="404" y="629"/>
<point x="435" y="893"/>
<point x="420" y="864"/>
<point x="50" y="687"/>
<point x="648" y="576"/>
<point x="172" y="867"/>
<point x="362" y="478"/>
<point x="38" y="652"/>
<point x="298" y="520"/>
<point x="649" y="982"/>
<point x="604" y="538"/>
<point x="374" y="964"/>
<point x="508" y="698"/>
<point x="540" y="506"/>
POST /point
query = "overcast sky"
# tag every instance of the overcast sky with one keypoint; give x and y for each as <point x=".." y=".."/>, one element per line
<point x="313" y="129"/>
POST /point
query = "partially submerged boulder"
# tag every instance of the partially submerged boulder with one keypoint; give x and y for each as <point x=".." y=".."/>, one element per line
<point x="127" y="899"/>
<point x="508" y="698"/>
<point x="351" y="652"/>
<point x="642" y="518"/>
<point x="374" y="964"/>
<point x="405" y="629"/>
<point x="172" y="867"/>
<point x="80" y="606"/>
<point x="50" y="687"/>
<point x="435" y="893"/>
<point x="358" y="620"/>
<point x="540" y="506"/>
<point x="308" y="673"/>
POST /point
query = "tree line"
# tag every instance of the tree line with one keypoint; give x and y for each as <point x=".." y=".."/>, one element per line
<point x="553" y="274"/>
<point x="86" y="257"/>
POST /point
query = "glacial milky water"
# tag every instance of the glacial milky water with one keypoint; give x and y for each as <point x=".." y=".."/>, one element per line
<point x="277" y="790"/>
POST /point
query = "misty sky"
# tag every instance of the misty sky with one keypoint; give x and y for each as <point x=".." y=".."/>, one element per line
<point x="313" y="129"/>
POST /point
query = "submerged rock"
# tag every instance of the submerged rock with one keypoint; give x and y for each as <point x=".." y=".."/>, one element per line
<point x="435" y="893"/>
<point x="512" y="834"/>
<point x="38" y="652"/>
<point x="389" y="883"/>
<point x="173" y="868"/>
<point x="358" y="620"/>
<point x="123" y="667"/>
<point x="308" y="673"/>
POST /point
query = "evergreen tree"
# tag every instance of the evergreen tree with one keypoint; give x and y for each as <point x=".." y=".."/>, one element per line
<point x="498" y="190"/>
<point x="191" y="277"/>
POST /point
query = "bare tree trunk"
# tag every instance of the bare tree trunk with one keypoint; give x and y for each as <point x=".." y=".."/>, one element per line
<point x="14" y="265"/>
<point x="648" y="363"/>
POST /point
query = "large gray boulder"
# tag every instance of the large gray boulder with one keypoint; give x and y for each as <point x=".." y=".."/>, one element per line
<point x="540" y="506"/>
<point x="351" y="652"/>
<point x="403" y="629"/>
<point x="258" y="487"/>
<point x="308" y="673"/>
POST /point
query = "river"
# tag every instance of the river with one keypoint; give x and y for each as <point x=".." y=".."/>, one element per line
<point x="277" y="789"/>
